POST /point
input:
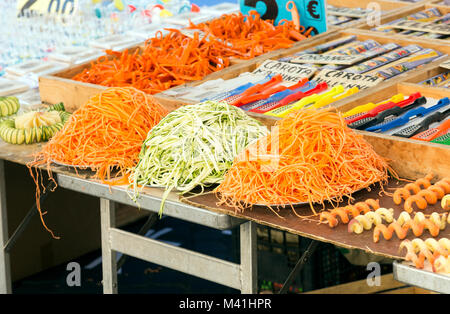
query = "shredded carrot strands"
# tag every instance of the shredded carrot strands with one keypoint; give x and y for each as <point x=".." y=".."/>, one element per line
<point x="318" y="159"/>
<point x="168" y="61"/>
<point x="249" y="35"/>
<point x="104" y="135"/>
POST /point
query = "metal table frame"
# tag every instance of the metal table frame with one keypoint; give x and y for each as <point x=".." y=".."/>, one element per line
<point x="242" y="276"/>
<point x="421" y="278"/>
<point x="5" y="267"/>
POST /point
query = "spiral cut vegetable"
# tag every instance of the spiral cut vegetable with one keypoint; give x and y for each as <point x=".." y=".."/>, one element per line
<point x="370" y="219"/>
<point x="445" y="202"/>
<point x="344" y="213"/>
<point x="436" y="252"/>
<point x="34" y="126"/>
<point x="418" y="225"/>
<point x="105" y="134"/>
<point x="310" y="156"/>
<point x="429" y="196"/>
<point x="412" y="189"/>
<point x="194" y="146"/>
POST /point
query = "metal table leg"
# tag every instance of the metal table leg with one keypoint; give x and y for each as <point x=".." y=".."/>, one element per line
<point x="241" y="276"/>
<point x="5" y="269"/>
<point x="109" y="261"/>
<point x="298" y="267"/>
<point x="249" y="260"/>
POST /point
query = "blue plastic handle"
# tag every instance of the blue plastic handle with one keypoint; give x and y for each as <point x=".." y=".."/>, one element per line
<point x="281" y="95"/>
<point x="403" y="119"/>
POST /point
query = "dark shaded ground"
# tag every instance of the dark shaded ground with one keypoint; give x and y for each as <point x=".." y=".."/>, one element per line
<point x="137" y="276"/>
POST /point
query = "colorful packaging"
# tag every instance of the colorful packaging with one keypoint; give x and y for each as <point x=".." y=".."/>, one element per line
<point x="324" y="47"/>
<point x="436" y="80"/>
<point x="427" y="15"/>
<point x="384" y="59"/>
<point x="415" y="60"/>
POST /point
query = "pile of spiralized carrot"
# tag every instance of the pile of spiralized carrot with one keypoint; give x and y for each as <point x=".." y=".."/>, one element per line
<point x="177" y="58"/>
<point x="104" y="135"/>
<point x="310" y="156"/>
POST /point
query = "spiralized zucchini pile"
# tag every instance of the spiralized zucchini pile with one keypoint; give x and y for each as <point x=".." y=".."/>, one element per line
<point x="194" y="146"/>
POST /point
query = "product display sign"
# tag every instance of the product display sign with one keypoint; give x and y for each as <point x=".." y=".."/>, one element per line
<point x="328" y="59"/>
<point x="348" y="80"/>
<point x="290" y="72"/>
<point x="312" y="13"/>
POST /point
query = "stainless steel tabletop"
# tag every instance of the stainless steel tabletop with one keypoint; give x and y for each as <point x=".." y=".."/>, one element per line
<point x="150" y="199"/>
<point x="421" y="278"/>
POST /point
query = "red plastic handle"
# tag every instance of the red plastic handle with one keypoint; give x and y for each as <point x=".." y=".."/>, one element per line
<point x="375" y="111"/>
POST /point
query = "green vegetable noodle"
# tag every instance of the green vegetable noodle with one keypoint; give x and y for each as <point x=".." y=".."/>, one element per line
<point x="194" y="146"/>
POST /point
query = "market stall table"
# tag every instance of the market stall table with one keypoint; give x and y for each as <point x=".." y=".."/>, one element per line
<point x="239" y="276"/>
<point x="200" y="209"/>
<point x="308" y="225"/>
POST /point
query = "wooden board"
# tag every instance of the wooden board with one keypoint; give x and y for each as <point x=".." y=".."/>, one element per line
<point x="397" y="150"/>
<point x="60" y="87"/>
<point x="392" y="87"/>
<point x="71" y="90"/>
<point x="408" y="10"/>
<point x="411" y="159"/>
<point x="323" y="38"/>
<point x="310" y="227"/>
<point x="55" y="89"/>
<point x="388" y="9"/>
<point x="388" y="285"/>
<point x="434" y="69"/>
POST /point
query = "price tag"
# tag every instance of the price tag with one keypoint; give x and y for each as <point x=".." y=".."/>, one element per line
<point x="312" y="12"/>
<point x="347" y="79"/>
<point x="47" y="6"/>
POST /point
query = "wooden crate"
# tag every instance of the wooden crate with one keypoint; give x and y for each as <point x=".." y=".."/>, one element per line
<point x="427" y="73"/>
<point x="388" y="8"/>
<point x="402" y="83"/>
<point x="411" y="159"/>
<point x="174" y="102"/>
<point x="408" y="10"/>
<point x="388" y="285"/>
<point x="59" y="87"/>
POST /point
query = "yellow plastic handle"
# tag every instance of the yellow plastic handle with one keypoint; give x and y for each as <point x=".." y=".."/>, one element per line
<point x="364" y="108"/>
<point x="306" y="101"/>
<point x="331" y="99"/>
